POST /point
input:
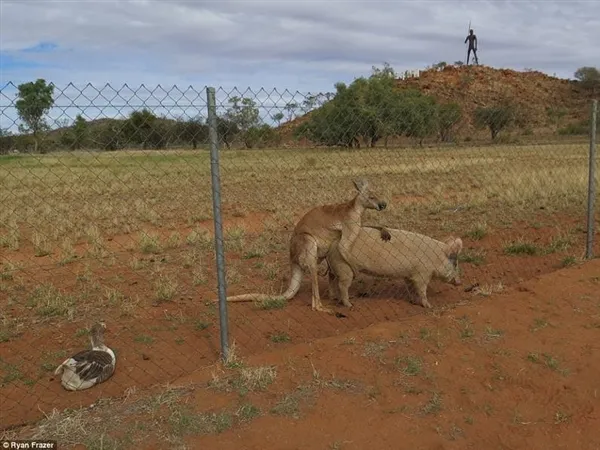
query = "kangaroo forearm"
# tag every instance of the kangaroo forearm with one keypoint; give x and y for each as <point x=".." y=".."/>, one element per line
<point x="383" y="232"/>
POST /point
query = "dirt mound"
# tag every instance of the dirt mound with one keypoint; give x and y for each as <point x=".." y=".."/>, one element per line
<point x="547" y="102"/>
<point x="480" y="86"/>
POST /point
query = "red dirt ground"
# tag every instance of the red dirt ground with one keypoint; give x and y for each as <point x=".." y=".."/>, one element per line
<point x="159" y="343"/>
<point x="497" y="388"/>
<point x="516" y="370"/>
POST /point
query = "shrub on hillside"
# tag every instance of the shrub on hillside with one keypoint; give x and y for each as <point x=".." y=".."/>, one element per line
<point x="261" y="136"/>
<point x="371" y="109"/>
<point x="589" y="77"/>
<point x="109" y="135"/>
<point x="575" y="129"/>
<point x="496" y="118"/>
<point x="448" y="116"/>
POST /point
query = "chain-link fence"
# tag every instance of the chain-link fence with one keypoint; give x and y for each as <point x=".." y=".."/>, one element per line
<point x="108" y="214"/>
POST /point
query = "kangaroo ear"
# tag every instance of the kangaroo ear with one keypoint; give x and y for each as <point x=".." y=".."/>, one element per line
<point x="360" y="184"/>
<point x="453" y="246"/>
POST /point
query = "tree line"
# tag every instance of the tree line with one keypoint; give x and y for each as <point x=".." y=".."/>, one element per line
<point x="141" y="129"/>
<point x="370" y="110"/>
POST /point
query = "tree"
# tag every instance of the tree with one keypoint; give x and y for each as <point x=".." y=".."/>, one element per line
<point x="589" y="77"/>
<point x="145" y="129"/>
<point x="243" y="112"/>
<point x="337" y="122"/>
<point x="34" y="101"/>
<point x="386" y="72"/>
<point x="227" y="131"/>
<point x="138" y="126"/>
<point x="278" y="117"/>
<point x="372" y="109"/>
<point x="418" y="118"/>
<point x="7" y="141"/>
<point x="291" y="109"/>
<point x="191" y="131"/>
<point x="449" y="114"/>
<point x="556" y="115"/>
<point x="80" y="130"/>
<point x="309" y="103"/>
<point x="243" y="115"/>
<point x="75" y="137"/>
<point x="260" y="136"/>
<point x="496" y="118"/>
<point x="110" y="135"/>
<point x="62" y="123"/>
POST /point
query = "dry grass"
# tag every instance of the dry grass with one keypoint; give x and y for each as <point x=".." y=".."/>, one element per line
<point x="94" y="427"/>
<point x="149" y="242"/>
<point x="488" y="289"/>
<point x="479" y="231"/>
<point x="245" y="379"/>
<point x="49" y="301"/>
<point x="291" y="403"/>
<point x="9" y="270"/>
<point x="67" y="251"/>
<point x="41" y="244"/>
<point x="135" y="194"/>
<point x="165" y="288"/>
<point x="11" y="239"/>
<point x="97" y="246"/>
<point x="521" y="247"/>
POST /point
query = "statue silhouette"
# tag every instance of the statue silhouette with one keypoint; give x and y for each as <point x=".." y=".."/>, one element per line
<point x="472" y="39"/>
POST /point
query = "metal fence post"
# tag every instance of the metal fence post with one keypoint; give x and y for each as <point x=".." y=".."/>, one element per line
<point x="589" y="251"/>
<point x="216" y="195"/>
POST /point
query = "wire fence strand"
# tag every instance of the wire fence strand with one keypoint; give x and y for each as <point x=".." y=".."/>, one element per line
<point x="107" y="215"/>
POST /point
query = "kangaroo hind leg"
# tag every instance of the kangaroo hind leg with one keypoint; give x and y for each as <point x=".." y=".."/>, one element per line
<point x="307" y="256"/>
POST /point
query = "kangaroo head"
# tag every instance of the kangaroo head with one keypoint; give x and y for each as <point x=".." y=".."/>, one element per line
<point x="367" y="197"/>
<point x="450" y="270"/>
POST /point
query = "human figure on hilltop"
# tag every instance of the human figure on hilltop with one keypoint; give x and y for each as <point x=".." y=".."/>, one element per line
<point x="472" y="38"/>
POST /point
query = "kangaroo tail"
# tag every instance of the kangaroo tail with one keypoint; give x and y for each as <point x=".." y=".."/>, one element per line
<point x="291" y="291"/>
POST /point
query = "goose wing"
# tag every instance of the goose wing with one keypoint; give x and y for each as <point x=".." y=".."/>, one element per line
<point x="91" y="364"/>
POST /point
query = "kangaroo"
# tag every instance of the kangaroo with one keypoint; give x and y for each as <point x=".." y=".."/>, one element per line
<point x="412" y="256"/>
<point x="313" y="236"/>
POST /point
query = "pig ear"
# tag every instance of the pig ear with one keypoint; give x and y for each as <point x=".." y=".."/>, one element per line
<point x="453" y="246"/>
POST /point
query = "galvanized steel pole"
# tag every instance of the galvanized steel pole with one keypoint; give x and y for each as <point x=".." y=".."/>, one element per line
<point x="218" y="223"/>
<point x="589" y="250"/>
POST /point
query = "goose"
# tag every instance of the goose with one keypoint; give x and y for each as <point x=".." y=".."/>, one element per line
<point x="88" y="367"/>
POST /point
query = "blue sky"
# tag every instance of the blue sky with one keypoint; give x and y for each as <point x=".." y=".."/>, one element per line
<point x="303" y="46"/>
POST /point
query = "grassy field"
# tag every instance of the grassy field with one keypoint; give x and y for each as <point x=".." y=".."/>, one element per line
<point x="60" y="199"/>
<point x="127" y="237"/>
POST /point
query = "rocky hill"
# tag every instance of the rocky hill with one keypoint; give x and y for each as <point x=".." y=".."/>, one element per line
<point x="549" y="103"/>
<point x="473" y="86"/>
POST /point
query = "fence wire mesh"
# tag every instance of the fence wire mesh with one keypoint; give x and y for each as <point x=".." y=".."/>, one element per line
<point x="107" y="216"/>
